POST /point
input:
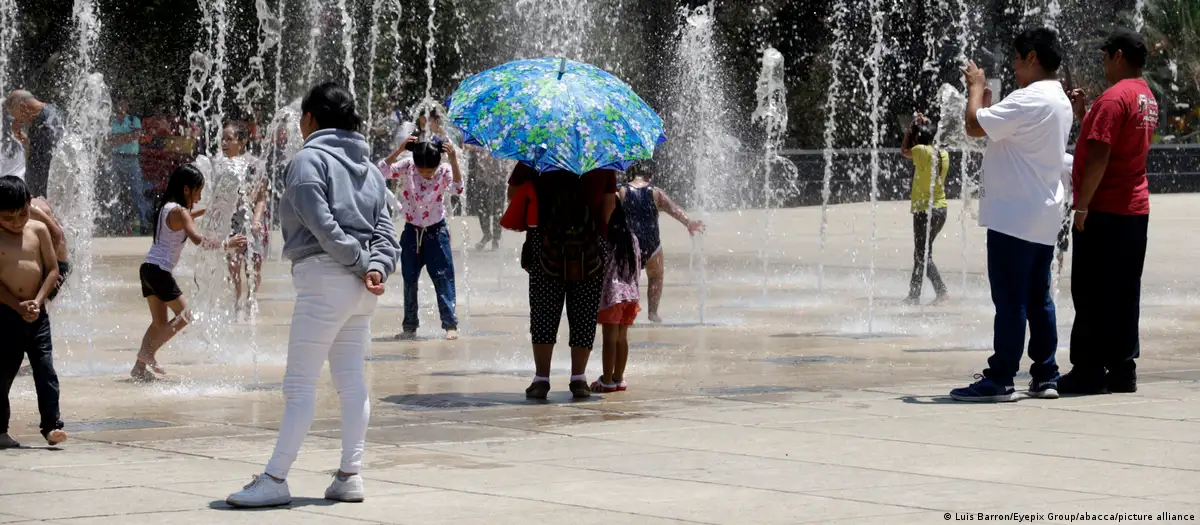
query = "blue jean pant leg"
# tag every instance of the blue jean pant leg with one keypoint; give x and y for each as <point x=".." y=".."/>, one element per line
<point x="1009" y="262"/>
<point x="435" y="257"/>
<point x="1040" y="311"/>
<point x="411" y="264"/>
<point x="440" y="264"/>
<point x="129" y="169"/>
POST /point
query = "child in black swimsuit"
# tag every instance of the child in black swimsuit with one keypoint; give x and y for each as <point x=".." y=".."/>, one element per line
<point x="642" y="202"/>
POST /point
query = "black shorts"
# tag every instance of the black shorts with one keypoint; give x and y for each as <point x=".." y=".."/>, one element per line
<point x="159" y="283"/>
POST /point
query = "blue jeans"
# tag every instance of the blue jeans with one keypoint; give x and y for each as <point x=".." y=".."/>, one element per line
<point x="128" y="170"/>
<point x="1019" y="273"/>
<point x="433" y="254"/>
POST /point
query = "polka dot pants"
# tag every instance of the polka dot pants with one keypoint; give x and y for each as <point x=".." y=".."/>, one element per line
<point x="546" y="298"/>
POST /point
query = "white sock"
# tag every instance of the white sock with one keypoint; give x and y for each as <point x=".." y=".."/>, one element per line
<point x="541" y="379"/>
<point x="580" y="377"/>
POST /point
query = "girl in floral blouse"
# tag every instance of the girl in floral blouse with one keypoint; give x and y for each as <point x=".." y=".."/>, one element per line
<point x="425" y="182"/>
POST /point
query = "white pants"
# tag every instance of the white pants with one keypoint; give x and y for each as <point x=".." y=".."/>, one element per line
<point x="332" y="319"/>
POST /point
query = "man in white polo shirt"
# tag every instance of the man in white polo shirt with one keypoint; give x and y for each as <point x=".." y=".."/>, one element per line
<point x="1021" y="207"/>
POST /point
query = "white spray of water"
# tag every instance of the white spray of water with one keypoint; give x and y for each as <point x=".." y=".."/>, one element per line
<point x="347" y="46"/>
<point x="313" y="10"/>
<point x="772" y="113"/>
<point x="876" y="103"/>
<point x="832" y="95"/>
<point x="215" y="20"/>
<point x="1139" y="15"/>
<point x="9" y="31"/>
<point x="563" y="27"/>
<point x="210" y="297"/>
<point x="250" y="90"/>
<point x="953" y="104"/>
<point x="280" y="15"/>
<point x="430" y="55"/>
<point x="76" y="164"/>
<point x="1052" y="13"/>
<point x="376" y="10"/>
<point x="701" y="99"/>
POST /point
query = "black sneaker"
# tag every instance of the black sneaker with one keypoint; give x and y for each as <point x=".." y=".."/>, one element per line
<point x="538" y="390"/>
<point x="1121" y="383"/>
<point x="1043" y="389"/>
<point x="1076" y="384"/>
<point x="580" y="389"/>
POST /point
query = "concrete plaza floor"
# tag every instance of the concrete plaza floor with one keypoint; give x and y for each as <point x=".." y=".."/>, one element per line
<point x="801" y="398"/>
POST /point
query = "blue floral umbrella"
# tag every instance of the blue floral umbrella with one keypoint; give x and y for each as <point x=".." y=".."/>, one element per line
<point x="556" y="114"/>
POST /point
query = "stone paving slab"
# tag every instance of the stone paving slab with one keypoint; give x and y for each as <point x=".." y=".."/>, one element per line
<point x="783" y="408"/>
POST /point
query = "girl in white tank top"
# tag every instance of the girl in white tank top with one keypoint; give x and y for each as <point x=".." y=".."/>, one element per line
<point x="175" y="225"/>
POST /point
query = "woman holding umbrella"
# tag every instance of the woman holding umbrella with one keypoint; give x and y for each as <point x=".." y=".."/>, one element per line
<point x="572" y="127"/>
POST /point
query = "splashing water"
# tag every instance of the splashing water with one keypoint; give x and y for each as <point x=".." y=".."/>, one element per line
<point x="76" y="165"/>
<point x="250" y="90"/>
<point x="347" y="46"/>
<point x="1139" y="15"/>
<point x="701" y="116"/>
<point x="772" y="114"/>
<point x="373" y="45"/>
<point x="313" y="12"/>
<point x="836" y="21"/>
<point x="214" y="17"/>
<point x="9" y="31"/>
<point x="430" y="54"/>
<point x="210" y="298"/>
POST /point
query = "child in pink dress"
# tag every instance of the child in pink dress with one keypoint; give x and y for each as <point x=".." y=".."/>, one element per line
<point x="618" y="301"/>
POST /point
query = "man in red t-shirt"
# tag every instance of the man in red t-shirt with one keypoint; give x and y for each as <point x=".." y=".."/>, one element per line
<point x="1112" y="215"/>
<point x="548" y="294"/>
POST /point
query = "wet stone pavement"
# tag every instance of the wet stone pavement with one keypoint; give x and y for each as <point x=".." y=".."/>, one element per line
<point x="792" y="402"/>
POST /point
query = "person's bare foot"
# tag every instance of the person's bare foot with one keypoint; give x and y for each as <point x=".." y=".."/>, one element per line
<point x="56" y="436"/>
<point x="141" y="375"/>
<point x="151" y="363"/>
<point x="941" y="299"/>
<point x="451" y="335"/>
<point x="6" y="441"/>
<point x="654" y="318"/>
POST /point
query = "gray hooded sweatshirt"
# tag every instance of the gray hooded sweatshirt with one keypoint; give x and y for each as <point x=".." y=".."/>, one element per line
<point x="335" y="203"/>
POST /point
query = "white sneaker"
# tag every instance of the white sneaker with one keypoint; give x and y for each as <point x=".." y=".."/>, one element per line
<point x="264" y="491"/>
<point x="349" y="490"/>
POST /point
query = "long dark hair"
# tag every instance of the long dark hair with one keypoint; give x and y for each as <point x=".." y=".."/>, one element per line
<point x="185" y="176"/>
<point x="332" y="106"/>
<point x="620" y="240"/>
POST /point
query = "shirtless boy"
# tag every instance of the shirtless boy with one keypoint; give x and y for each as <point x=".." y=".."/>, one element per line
<point x="28" y="273"/>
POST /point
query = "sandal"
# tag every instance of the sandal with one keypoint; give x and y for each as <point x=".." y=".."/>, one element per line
<point x="601" y="388"/>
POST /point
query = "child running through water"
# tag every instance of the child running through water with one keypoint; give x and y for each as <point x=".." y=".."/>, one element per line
<point x="28" y="274"/>
<point x="618" y="301"/>
<point x="928" y="204"/>
<point x="174" y="225"/>
<point x="643" y="201"/>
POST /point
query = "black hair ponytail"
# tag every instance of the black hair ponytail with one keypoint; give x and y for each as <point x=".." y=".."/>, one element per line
<point x="185" y="176"/>
<point x="620" y="240"/>
<point x="332" y="106"/>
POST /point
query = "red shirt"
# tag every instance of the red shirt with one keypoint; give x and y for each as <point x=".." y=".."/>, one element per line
<point x="596" y="183"/>
<point x="1123" y="117"/>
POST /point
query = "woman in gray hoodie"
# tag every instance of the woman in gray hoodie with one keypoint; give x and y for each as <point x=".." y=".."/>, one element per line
<point x="339" y="235"/>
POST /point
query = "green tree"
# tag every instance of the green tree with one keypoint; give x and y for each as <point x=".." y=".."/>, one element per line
<point x="1173" y="28"/>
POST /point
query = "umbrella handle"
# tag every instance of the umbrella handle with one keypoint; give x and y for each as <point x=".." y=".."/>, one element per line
<point x="562" y="68"/>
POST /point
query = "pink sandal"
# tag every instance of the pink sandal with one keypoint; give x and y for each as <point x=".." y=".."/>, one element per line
<point x="602" y="388"/>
